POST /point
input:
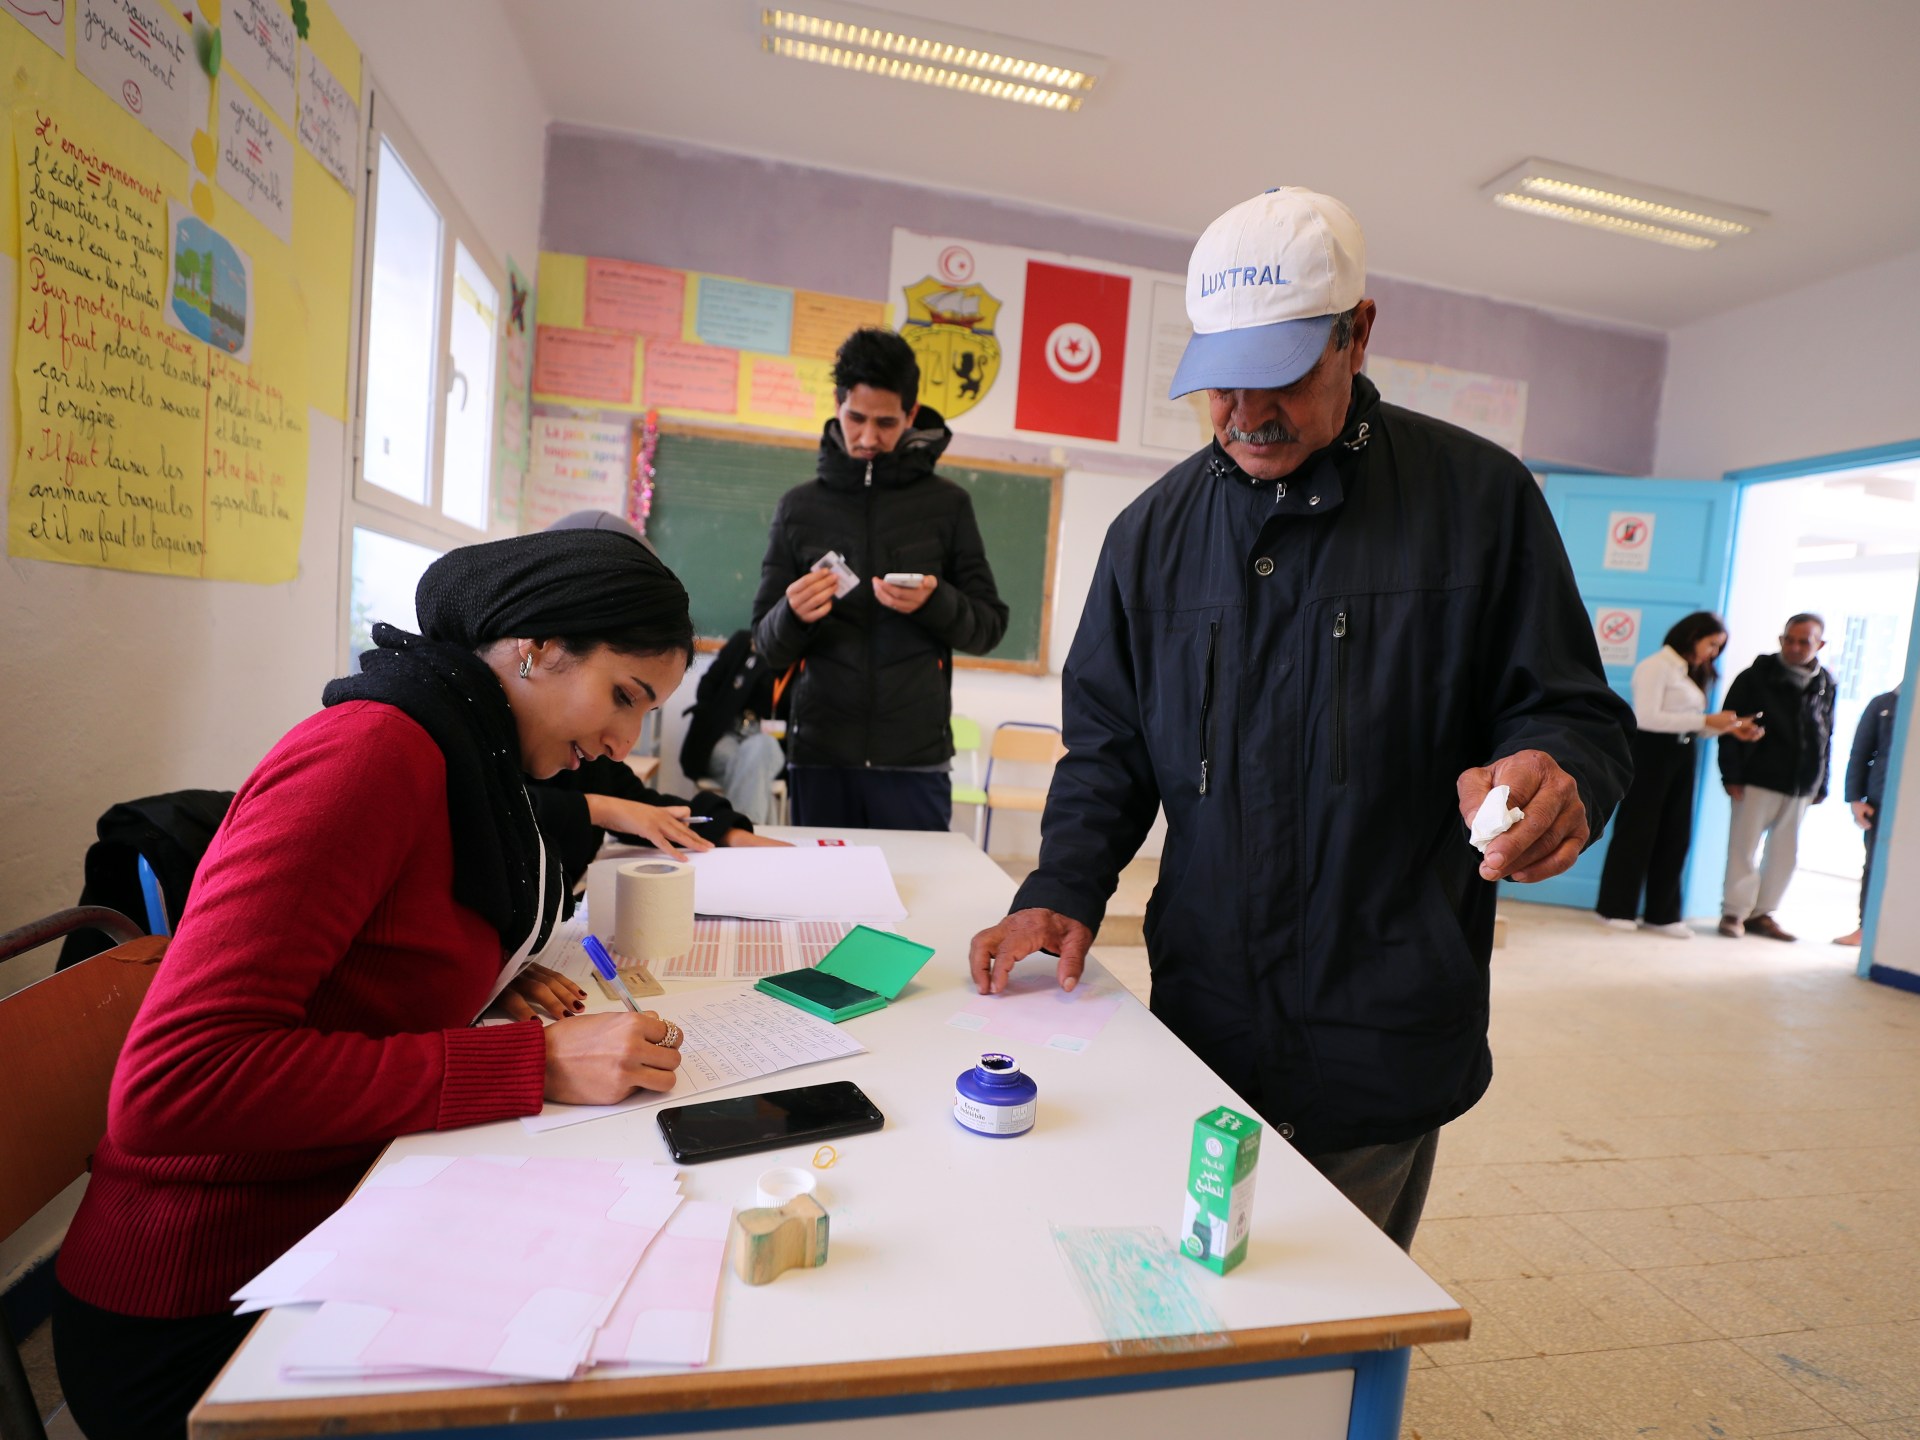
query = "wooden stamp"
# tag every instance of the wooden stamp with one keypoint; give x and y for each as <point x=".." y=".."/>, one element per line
<point x="767" y="1242"/>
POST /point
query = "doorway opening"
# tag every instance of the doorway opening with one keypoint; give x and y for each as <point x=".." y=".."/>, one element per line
<point x="1839" y="538"/>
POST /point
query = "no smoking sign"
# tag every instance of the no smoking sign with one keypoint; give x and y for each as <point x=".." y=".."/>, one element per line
<point x="1618" y="631"/>
<point x="1629" y="541"/>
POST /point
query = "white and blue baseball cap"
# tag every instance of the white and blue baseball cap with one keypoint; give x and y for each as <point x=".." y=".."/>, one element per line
<point x="1263" y="287"/>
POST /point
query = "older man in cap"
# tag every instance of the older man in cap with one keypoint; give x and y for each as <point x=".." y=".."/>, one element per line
<point x="1320" y="644"/>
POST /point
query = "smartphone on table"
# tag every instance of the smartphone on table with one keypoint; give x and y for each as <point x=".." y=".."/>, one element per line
<point x="718" y="1129"/>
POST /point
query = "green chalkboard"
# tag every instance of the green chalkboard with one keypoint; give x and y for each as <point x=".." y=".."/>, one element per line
<point x="714" y="498"/>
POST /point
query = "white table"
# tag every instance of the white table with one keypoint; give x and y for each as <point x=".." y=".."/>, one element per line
<point x="943" y="1292"/>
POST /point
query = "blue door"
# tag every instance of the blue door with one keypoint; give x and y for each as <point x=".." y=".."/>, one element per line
<point x="1645" y="553"/>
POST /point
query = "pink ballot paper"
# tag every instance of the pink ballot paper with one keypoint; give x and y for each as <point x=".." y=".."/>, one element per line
<point x="1035" y="1010"/>
<point x="665" y="1316"/>
<point x="500" y="1265"/>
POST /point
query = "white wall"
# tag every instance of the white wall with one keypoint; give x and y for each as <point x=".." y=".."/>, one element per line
<point x="1832" y="367"/>
<point x="123" y="685"/>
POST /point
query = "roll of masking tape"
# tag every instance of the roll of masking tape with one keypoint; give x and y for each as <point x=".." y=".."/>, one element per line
<point x="653" y="911"/>
<point x="602" y="876"/>
<point x="777" y="1186"/>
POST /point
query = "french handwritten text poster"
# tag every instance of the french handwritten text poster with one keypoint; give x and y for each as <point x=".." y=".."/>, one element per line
<point x="45" y="18"/>
<point x="140" y="55"/>
<point x="785" y="392"/>
<point x="329" y="120"/>
<point x="679" y="376"/>
<point x="742" y="316"/>
<point x="142" y="447"/>
<point x="577" y="465"/>
<point x="639" y="299"/>
<point x="821" y="323"/>
<point x="256" y="162"/>
<point x="259" y="40"/>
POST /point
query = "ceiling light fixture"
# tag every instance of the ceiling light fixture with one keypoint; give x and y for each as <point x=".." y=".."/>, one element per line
<point x="1625" y="207"/>
<point x="949" y="57"/>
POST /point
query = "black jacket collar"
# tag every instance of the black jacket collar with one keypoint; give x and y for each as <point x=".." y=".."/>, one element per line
<point x="1362" y="424"/>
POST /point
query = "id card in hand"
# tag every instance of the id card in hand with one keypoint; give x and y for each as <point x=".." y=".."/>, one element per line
<point x="844" y="580"/>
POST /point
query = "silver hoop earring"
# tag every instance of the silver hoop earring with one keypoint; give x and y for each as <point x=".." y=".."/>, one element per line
<point x="526" y="665"/>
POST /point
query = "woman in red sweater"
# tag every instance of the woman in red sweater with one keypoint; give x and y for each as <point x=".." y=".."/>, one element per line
<point x="377" y="880"/>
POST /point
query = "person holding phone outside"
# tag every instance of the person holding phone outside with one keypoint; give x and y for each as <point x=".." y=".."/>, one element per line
<point x="1653" y="827"/>
<point x="376" y="881"/>
<point x="1773" y="780"/>
<point x="869" y="742"/>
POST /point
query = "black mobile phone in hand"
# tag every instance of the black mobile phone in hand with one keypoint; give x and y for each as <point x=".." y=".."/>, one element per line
<point x="717" y="1129"/>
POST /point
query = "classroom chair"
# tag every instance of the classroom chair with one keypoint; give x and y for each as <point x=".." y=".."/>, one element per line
<point x="61" y="1037"/>
<point x="1019" y="742"/>
<point x="966" y="741"/>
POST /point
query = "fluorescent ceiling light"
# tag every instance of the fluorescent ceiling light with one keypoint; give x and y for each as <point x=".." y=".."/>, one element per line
<point x="929" y="52"/>
<point x="1625" y="207"/>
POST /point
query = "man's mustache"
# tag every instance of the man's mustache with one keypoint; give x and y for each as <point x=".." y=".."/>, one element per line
<point x="1271" y="433"/>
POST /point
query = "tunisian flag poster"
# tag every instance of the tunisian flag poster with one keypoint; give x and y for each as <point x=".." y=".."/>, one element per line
<point x="1073" y="352"/>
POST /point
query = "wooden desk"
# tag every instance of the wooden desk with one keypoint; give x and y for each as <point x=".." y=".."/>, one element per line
<point x="944" y="1292"/>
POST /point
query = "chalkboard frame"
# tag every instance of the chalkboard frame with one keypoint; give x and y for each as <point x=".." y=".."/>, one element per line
<point x="1054" y="475"/>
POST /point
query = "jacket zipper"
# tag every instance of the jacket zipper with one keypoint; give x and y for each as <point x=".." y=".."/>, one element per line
<point x="1206" y="706"/>
<point x="869" y="479"/>
<point x="866" y="753"/>
<point x="1340" y="698"/>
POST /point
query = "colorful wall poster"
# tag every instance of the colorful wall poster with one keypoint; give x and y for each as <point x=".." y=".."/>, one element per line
<point x="141" y="446"/>
<point x="1491" y="407"/>
<point x="516" y="397"/>
<point x="209" y="285"/>
<point x="786" y="392"/>
<point x="583" y="365"/>
<point x="47" y="19"/>
<point x="256" y="162"/>
<point x="575" y="465"/>
<point x="329" y="120"/>
<point x="678" y="376"/>
<point x="636" y="299"/>
<point x="141" y="56"/>
<point x="821" y="323"/>
<point x="737" y="315"/>
<point x="257" y="38"/>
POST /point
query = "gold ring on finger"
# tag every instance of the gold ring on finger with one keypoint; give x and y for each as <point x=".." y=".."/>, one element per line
<point x="671" y="1040"/>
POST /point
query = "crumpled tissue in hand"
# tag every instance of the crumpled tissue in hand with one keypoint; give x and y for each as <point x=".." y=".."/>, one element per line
<point x="1493" y="819"/>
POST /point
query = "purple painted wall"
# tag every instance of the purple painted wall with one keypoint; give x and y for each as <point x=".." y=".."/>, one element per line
<point x="1593" y="391"/>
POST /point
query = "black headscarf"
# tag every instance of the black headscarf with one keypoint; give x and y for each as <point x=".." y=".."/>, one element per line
<point x="553" y="584"/>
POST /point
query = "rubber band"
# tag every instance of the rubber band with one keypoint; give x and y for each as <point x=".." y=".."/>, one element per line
<point x="825" y="1158"/>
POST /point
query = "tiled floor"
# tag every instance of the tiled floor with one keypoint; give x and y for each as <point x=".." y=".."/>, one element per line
<point x="1690" y="1204"/>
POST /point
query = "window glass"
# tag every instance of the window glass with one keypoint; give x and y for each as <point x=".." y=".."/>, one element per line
<point x="386" y="570"/>
<point x="403" y="333"/>
<point x="469" y="459"/>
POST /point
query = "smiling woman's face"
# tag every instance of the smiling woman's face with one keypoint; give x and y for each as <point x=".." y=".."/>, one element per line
<point x="572" y="708"/>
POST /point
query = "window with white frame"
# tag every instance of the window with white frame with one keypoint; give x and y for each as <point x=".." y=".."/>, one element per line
<point x="424" y="424"/>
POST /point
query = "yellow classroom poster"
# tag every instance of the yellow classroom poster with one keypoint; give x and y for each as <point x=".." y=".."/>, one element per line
<point x="168" y="344"/>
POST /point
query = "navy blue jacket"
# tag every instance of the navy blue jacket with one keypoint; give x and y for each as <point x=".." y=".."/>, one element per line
<point x="1299" y="673"/>
<point x="1872" y="747"/>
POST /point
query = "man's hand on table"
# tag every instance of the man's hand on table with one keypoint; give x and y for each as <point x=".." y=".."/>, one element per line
<point x="997" y="950"/>
<point x="1550" y="839"/>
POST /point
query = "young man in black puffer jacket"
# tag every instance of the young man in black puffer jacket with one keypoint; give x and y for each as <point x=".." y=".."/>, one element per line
<point x="869" y="742"/>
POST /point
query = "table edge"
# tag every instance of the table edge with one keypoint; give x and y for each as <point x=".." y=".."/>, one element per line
<point x="699" y="1391"/>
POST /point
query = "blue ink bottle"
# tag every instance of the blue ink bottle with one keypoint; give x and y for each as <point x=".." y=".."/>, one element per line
<point x="995" y="1098"/>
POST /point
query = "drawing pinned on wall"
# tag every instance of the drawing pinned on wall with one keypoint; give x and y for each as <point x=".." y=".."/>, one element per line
<point x="140" y="56"/>
<point x="329" y="123"/>
<point x="255" y="162"/>
<point x="258" y="38"/>
<point x="949" y="324"/>
<point x="45" y="18"/>
<point x="209" y="285"/>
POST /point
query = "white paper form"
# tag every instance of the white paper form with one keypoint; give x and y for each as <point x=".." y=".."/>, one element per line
<point x="840" y="882"/>
<point x="732" y="1035"/>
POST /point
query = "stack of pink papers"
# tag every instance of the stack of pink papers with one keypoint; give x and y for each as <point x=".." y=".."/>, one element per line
<point x="502" y="1265"/>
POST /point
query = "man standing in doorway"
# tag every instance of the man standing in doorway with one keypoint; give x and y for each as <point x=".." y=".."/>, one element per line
<point x="870" y="740"/>
<point x="1772" y="780"/>
<point x="1319" y="644"/>
<point x="1867" y="787"/>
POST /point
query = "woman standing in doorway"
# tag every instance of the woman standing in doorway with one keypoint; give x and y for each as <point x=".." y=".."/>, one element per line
<point x="1654" y="825"/>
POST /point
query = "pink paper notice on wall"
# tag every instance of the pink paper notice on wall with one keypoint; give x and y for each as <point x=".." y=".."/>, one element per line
<point x="692" y="377"/>
<point x="583" y="364"/>
<point x="639" y="299"/>
<point x="775" y="387"/>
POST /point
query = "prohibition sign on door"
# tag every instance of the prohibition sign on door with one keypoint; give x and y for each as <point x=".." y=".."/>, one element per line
<point x="1618" y="631"/>
<point x="1629" y="541"/>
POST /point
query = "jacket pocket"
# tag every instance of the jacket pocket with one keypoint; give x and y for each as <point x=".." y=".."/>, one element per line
<point x="1206" y="704"/>
<point x="1340" y="648"/>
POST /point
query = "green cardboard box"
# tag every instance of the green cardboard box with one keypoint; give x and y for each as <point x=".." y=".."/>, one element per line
<point x="1219" y="1210"/>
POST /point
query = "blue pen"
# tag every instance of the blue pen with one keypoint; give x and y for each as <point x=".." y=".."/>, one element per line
<point x="603" y="962"/>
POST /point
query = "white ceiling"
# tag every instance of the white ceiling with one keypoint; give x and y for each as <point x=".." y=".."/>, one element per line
<point x="1403" y="108"/>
